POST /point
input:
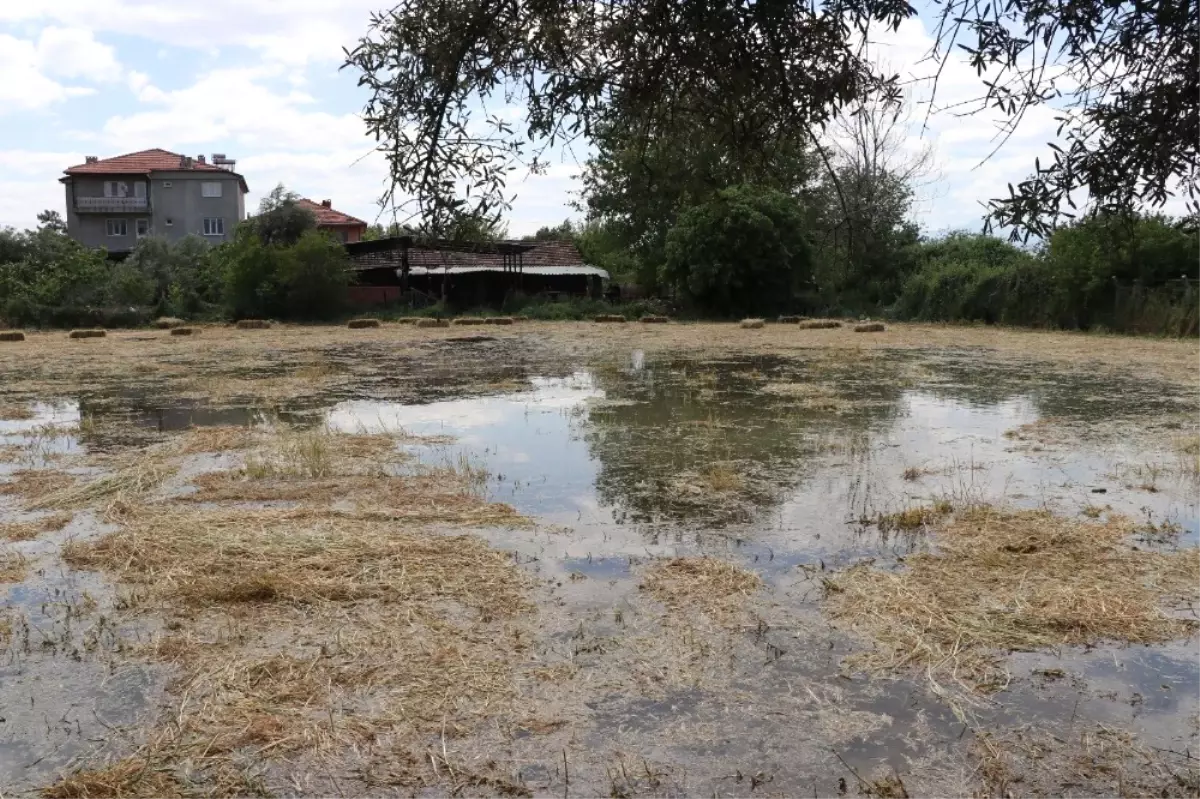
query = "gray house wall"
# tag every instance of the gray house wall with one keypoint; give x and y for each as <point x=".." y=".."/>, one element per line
<point x="173" y="212"/>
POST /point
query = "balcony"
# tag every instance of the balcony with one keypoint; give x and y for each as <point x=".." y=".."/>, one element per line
<point x="111" y="205"/>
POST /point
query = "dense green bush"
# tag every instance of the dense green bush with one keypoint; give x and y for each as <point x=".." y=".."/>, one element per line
<point x="49" y="279"/>
<point x="306" y="280"/>
<point x="743" y="252"/>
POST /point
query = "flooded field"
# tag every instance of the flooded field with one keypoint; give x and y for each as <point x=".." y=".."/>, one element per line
<point x="581" y="559"/>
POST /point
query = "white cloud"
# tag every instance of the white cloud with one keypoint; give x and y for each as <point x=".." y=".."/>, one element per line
<point x="23" y="84"/>
<point x="75" y="53"/>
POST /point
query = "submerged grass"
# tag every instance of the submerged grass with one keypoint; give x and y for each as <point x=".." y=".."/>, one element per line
<point x="1012" y="580"/>
<point x="709" y="584"/>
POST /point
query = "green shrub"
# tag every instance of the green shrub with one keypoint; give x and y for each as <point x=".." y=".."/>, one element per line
<point x="744" y="252"/>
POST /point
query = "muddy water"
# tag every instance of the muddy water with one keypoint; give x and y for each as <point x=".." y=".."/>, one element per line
<point x="615" y="461"/>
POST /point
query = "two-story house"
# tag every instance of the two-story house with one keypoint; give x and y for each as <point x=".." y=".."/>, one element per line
<point x="113" y="202"/>
<point x="345" y="228"/>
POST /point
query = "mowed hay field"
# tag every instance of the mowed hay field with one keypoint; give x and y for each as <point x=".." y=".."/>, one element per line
<point x="570" y="558"/>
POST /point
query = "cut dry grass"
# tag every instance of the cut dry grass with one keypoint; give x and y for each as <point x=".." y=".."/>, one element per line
<point x="819" y="324"/>
<point x="753" y="324"/>
<point x="144" y="474"/>
<point x="31" y="484"/>
<point x="27" y="531"/>
<point x="253" y="324"/>
<point x="359" y="324"/>
<point x="651" y="319"/>
<point x="1012" y="580"/>
<point x="870" y="327"/>
<point x="13" y="567"/>
<point x="87" y="334"/>
<point x="218" y="438"/>
<point x="709" y="584"/>
<point x="15" y="412"/>
<point x="500" y="320"/>
<point x="12" y="335"/>
<point x="130" y="778"/>
<point x="297" y="556"/>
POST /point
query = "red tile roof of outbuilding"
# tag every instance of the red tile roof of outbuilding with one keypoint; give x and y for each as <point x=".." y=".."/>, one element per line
<point x="327" y="216"/>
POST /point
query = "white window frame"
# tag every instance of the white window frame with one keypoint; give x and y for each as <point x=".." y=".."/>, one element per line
<point x="113" y="224"/>
<point x="214" y="226"/>
<point x="210" y="188"/>
<point x="137" y="228"/>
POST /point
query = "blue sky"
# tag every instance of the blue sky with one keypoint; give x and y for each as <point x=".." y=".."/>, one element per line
<point x="259" y="81"/>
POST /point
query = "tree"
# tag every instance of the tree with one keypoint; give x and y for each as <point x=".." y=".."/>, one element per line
<point x="863" y="230"/>
<point x="314" y="276"/>
<point x="280" y="219"/>
<point x="742" y="252"/>
<point x="51" y="220"/>
<point x="577" y="65"/>
<point x="182" y="277"/>
<point x="640" y="187"/>
<point x="755" y="73"/>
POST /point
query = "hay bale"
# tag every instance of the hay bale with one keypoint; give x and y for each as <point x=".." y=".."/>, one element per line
<point x="791" y="320"/>
<point x="752" y="324"/>
<point x="433" y="323"/>
<point x="470" y="320"/>
<point x="499" y="320"/>
<point x="870" y="327"/>
<point x="651" y="319"/>
<point x="167" y="322"/>
<point x="407" y="320"/>
<point x="94" y="333"/>
<point x="610" y="318"/>
<point x="184" y="331"/>
<point x="819" y="324"/>
<point x="359" y="324"/>
<point x="253" y="324"/>
<point x="11" y="335"/>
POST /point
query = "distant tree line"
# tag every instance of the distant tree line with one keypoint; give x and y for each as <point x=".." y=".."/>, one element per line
<point x="277" y="265"/>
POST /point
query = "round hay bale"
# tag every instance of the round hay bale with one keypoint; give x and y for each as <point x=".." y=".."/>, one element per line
<point x="870" y="327"/>
<point x="359" y="324"/>
<point x="819" y="324"/>
<point x="94" y="333"/>
<point x="499" y="320"/>
<point x="753" y="324"/>
<point x="167" y="322"/>
<point x="433" y="323"/>
<point x="12" y="335"/>
<point x="253" y="324"/>
<point x="651" y="319"/>
<point x="469" y="320"/>
<point x="184" y="331"/>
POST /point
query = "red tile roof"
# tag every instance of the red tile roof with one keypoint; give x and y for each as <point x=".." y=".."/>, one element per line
<point x="545" y="253"/>
<point x="328" y="217"/>
<point x="145" y="162"/>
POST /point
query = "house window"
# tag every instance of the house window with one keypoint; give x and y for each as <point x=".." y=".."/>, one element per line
<point x="214" y="227"/>
<point x="139" y="190"/>
<point x="143" y="227"/>
<point x="115" y="188"/>
<point x="116" y="227"/>
<point x="210" y="188"/>
<point x="170" y="222"/>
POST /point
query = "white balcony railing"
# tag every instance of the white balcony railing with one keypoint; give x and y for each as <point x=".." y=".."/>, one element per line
<point x="111" y="204"/>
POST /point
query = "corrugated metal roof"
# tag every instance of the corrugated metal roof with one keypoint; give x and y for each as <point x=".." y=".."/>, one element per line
<point x="540" y="269"/>
<point x="431" y="256"/>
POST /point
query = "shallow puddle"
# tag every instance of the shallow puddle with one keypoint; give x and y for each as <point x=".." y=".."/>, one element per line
<point x="782" y="465"/>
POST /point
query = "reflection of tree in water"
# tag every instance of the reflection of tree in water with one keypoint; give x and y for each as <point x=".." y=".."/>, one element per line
<point x="1081" y="395"/>
<point x="683" y="439"/>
